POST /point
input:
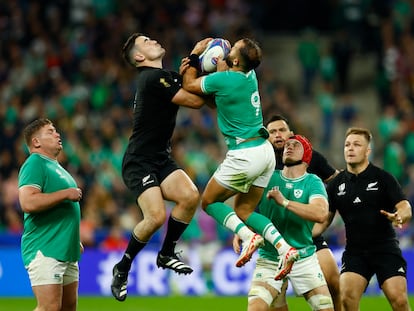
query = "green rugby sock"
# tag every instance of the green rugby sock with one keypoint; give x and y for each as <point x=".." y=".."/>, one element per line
<point x="226" y="216"/>
<point x="267" y="230"/>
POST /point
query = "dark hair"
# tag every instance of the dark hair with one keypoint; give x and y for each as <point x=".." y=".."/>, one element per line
<point x="128" y="48"/>
<point x="277" y="117"/>
<point x="250" y="54"/>
<point x="33" y="127"/>
<point x="359" y="131"/>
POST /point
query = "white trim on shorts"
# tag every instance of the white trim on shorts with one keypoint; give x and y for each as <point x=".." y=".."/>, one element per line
<point x="47" y="271"/>
<point x="245" y="167"/>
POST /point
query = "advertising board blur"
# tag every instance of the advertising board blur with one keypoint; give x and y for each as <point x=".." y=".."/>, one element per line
<point x="215" y="276"/>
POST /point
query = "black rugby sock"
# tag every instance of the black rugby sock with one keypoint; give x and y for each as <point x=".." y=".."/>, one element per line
<point x="133" y="248"/>
<point x="174" y="231"/>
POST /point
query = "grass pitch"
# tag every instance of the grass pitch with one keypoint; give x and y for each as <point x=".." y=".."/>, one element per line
<point x="181" y="303"/>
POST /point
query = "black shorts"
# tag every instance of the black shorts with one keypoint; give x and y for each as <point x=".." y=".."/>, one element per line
<point x="384" y="263"/>
<point x="140" y="173"/>
<point x="320" y="242"/>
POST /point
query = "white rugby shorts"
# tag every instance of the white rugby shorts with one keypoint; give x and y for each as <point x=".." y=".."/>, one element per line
<point x="46" y="271"/>
<point x="245" y="167"/>
<point x="306" y="274"/>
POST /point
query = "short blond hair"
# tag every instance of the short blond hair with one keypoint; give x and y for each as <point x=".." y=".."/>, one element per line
<point x="359" y="131"/>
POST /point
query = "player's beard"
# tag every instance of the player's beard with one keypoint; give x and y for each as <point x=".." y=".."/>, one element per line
<point x="229" y="61"/>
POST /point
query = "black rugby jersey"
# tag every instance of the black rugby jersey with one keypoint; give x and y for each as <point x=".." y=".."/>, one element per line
<point x="154" y="113"/>
<point x="359" y="199"/>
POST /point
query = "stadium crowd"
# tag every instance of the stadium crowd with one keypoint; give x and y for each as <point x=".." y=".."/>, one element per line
<point x="61" y="60"/>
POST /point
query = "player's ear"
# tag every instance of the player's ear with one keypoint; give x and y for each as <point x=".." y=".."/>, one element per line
<point x="35" y="142"/>
<point x="138" y="57"/>
<point x="368" y="152"/>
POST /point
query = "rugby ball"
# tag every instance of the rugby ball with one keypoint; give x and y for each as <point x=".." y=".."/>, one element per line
<point x="215" y="48"/>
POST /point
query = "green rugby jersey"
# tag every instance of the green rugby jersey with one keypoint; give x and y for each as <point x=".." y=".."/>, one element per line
<point x="294" y="229"/>
<point x="239" y="111"/>
<point x="55" y="232"/>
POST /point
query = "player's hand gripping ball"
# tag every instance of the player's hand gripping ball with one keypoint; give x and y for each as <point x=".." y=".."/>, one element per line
<point x="215" y="48"/>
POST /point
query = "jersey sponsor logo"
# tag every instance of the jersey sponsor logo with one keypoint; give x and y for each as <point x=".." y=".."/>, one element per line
<point x="372" y="186"/>
<point x="357" y="200"/>
<point x="146" y="180"/>
<point x="341" y="189"/>
<point x="289" y="185"/>
<point x="165" y="83"/>
<point x="297" y="193"/>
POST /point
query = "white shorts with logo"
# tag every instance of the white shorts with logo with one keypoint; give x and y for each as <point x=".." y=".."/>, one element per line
<point x="46" y="271"/>
<point x="245" y="167"/>
<point x="306" y="274"/>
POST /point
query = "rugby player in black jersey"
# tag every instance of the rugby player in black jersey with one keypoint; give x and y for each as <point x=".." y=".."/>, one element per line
<point x="148" y="169"/>
<point x="371" y="203"/>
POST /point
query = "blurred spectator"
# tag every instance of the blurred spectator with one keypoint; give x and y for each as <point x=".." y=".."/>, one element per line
<point x="327" y="66"/>
<point x="394" y="158"/>
<point x="348" y="110"/>
<point x="388" y="124"/>
<point x="309" y="57"/>
<point x="342" y="55"/>
<point x="115" y="240"/>
<point x="326" y="101"/>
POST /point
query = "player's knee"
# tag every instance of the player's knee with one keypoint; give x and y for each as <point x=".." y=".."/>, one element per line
<point x="260" y="292"/>
<point x="280" y="301"/>
<point x="155" y="220"/>
<point x="53" y="306"/>
<point x="320" y="302"/>
<point x="71" y="305"/>
<point x="243" y="212"/>
<point x="333" y="285"/>
<point x="192" y="199"/>
<point x="206" y="201"/>
<point x="399" y="302"/>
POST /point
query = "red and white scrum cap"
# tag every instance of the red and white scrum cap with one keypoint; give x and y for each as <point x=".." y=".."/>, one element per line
<point x="307" y="147"/>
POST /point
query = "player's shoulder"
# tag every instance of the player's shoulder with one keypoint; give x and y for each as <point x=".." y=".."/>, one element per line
<point x="152" y="73"/>
<point x="277" y="174"/>
<point x="339" y="178"/>
<point x="312" y="176"/>
<point x="34" y="159"/>
<point x="379" y="173"/>
<point x="313" y="179"/>
<point x="34" y="163"/>
<point x="219" y="75"/>
<point x="218" y="80"/>
<point x="317" y="154"/>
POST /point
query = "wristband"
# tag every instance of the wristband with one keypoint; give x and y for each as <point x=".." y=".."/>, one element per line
<point x="194" y="61"/>
<point x="285" y="203"/>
